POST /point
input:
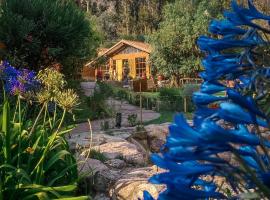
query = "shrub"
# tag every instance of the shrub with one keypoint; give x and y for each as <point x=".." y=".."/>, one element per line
<point x="132" y="119"/>
<point x="35" y="160"/>
<point x="189" y="89"/>
<point x="42" y="32"/>
<point x="97" y="102"/>
<point x="171" y="99"/>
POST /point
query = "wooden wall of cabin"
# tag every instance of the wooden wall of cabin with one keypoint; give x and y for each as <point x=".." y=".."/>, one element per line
<point x="88" y="73"/>
<point x="132" y="64"/>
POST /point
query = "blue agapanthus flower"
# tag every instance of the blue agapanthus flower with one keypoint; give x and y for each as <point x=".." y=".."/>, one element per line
<point x="225" y="141"/>
<point x="17" y="81"/>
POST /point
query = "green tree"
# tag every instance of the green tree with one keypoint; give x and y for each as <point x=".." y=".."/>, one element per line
<point x="175" y="53"/>
<point x="41" y="32"/>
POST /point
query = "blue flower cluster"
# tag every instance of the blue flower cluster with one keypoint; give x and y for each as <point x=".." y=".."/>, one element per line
<point x="17" y="82"/>
<point x="195" y="151"/>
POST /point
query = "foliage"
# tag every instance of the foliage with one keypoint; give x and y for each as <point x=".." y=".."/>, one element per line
<point x="189" y="89"/>
<point x="175" y="53"/>
<point x="126" y="18"/>
<point x="97" y="102"/>
<point x="94" y="154"/>
<point x="45" y="32"/>
<point x="132" y="119"/>
<point x="167" y="99"/>
<point x="230" y="142"/>
<point x="165" y="116"/>
<point x="169" y="94"/>
<point x="35" y="162"/>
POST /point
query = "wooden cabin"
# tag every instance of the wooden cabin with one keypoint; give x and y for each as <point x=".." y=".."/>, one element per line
<point x="111" y="62"/>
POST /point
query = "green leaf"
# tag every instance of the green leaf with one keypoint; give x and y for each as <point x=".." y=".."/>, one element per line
<point x="38" y="195"/>
<point x="59" y="156"/>
<point x="5" y="129"/>
<point x="76" y="198"/>
<point x="61" y="174"/>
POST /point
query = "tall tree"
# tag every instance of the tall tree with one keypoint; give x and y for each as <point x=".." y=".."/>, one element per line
<point x="174" y="48"/>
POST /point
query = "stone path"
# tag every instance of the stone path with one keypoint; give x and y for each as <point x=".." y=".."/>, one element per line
<point x="125" y="173"/>
<point x="120" y="106"/>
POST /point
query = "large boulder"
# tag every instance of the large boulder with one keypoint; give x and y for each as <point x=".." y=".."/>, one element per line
<point x="97" y="174"/>
<point x="132" y="184"/>
<point x="158" y="130"/>
<point x="156" y="136"/>
<point x="116" y="163"/>
<point x="122" y="149"/>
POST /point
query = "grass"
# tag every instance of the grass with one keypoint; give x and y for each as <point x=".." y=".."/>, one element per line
<point x="167" y="116"/>
<point x="94" y="154"/>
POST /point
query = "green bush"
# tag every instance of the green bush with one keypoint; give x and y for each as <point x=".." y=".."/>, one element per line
<point x="97" y="102"/>
<point x="189" y="89"/>
<point x="171" y="99"/>
<point x="42" y="32"/>
<point x="132" y="119"/>
<point x="169" y="94"/>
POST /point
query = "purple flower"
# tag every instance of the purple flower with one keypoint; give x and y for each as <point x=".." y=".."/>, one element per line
<point x="17" y="81"/>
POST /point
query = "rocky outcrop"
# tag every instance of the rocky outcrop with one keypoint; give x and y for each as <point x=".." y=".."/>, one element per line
<point x="132" y="184"/>
<point x="116" y="163"/>
<point x="97" y="175"/>
<point x="122" y="176"/>
<point x="122" y="149"/>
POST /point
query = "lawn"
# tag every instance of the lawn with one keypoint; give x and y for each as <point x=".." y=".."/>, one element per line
<point x="167" y="116"/>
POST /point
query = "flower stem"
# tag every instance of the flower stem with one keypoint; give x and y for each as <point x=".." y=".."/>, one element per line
<point x="15" y="112"/>
<point x="50" y="143"/>
<point x="20" y="130"/>
<point x="35" y="123"/>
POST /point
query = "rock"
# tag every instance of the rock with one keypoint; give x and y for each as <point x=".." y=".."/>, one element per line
<point x="156" y="136"/>
<point x="123" y="149"/>
<point x="116" y="163"/>
<point x="158" y="131"/>
<point x="101" y="196"/>
<point x="103" y="180"/>
<point x="91" y="165"/>
<point x="140" y="135"/>
<point x="131" y="185"/>
<point x="97" y="173"/>
<point x="155" y="144"/>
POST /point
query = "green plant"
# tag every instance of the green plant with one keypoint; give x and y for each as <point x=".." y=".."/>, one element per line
<point x="46" y="32"/>
<point x="189" y="89"/>
<point x="132" y="119"/>
<point x="95" y="154"/>
<point x="35" y="162"/>
<point x="105" y="125"/>
<point x="97" y="102"/>
<point x="171" y="99"/>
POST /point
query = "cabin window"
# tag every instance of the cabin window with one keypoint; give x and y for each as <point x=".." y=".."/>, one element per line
<point x="140" y="66"/>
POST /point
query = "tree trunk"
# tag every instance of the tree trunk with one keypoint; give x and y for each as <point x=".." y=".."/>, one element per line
<point x="174" y="81"/>
<point x="87" y="6"/>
